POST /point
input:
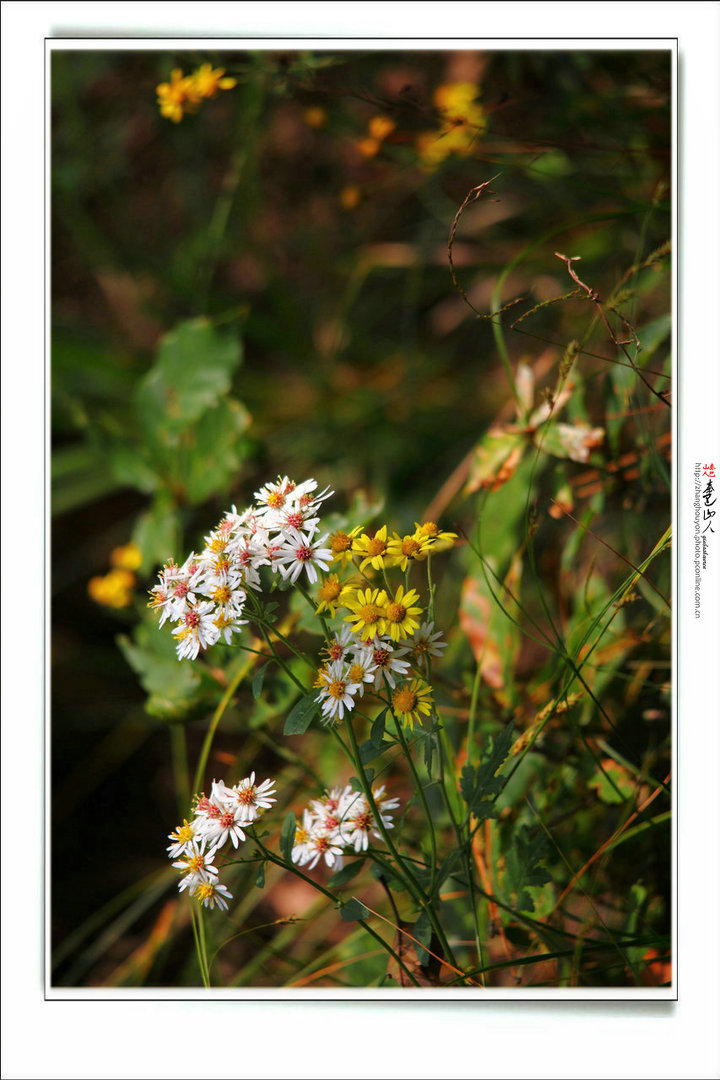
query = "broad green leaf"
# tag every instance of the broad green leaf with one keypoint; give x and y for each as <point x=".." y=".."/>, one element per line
<point x="422" y="930"/>
<point x="522" y="867"/>
<point x="301" y="715"/>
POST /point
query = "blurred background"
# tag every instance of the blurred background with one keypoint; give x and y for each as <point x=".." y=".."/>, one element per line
<point x="282" y="254"/>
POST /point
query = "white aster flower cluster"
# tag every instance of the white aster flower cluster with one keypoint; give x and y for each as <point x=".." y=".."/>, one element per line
<point x="217" y="818"/>
<point x="353" y="664"/>
<point x="341" y="819"/>
<point x="206" y="596"/>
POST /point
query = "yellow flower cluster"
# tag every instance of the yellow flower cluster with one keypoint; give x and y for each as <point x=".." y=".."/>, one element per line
<point x="462" y="121"/>
<point x="185" y="93"/>
<point x="115" y="589"/>
<point x="379" y="127"/>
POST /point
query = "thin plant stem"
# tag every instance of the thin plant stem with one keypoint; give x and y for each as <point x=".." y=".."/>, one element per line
<point x="272" y="857"/>
<point x="426" y="808"/>
<point x="216" y="718"/>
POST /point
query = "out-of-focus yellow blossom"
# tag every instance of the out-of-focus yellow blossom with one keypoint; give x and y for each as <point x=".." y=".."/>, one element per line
<point x="463" y="120"/>
<point x="114" y="590"/>
<point x="368" y="147"/>
<point x="379" y="127"/>
<point x="209" y="81"/>
<point x="126" y="557"/>
<point x="315" y="116"/>
<point x="432" y="534"/>
<point x="184" y="93"/>
<point x="350" y="197"/>
<point x="177" y="97"/>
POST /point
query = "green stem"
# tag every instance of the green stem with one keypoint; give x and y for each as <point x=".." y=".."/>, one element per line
<point x="426" y="808"/>
<point x="412" y="883"/>
<point x="473" y="710"/>
<point x="195" y="916"/>
<point x="272" y="857"/>
<point x="217" y="716"/>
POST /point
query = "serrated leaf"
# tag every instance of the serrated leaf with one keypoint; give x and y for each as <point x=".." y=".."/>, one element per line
<point x="287" y="836"/>
<point x="301" y="715"/>
<point x="479" y="786"/>
<point x="353" y="910"/>
<point x="522" y="866"/>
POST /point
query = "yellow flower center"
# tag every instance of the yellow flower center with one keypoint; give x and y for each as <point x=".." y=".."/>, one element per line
<point x="329" y="591"/>
<point x="376" y="547"/>
<point x="204" y="890"/>
<point x="339" y="542"/>
<point x="395" y="613"/>
<point x="410" y="547"/>
<point x="370" y="614"/>
<point x="301" y="835"/>
<point x="275" y="499"/>
<point x="429" y="529"/>
<point x="356" y="673"/>
<point x="222" y="594"/>
<point x="336" y="689"/>
<point x="404" y="700"/>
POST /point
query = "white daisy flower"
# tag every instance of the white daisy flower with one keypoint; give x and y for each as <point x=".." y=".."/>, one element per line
<point x="253" y="799"/>
<point x="300" y="551"/>
<point x="387" y="662"/>
<point x="211" y="893"/>
<point x="182" y="839"/>
<point x="301" y="851"/>
<point x="425" y="643"/>
<point x="359" y="822"/>
<point x="196" y="630"/>
<point x="222" y="818"/>
<point x="337" y="694"/>
<point x="197" y="865"/>
<point x="323" y="846"/>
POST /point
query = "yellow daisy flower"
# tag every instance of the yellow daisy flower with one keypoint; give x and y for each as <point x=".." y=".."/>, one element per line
<point x="398" y="620"/>
<point x="372" y="548"/>
<point x="402" y="549"/>
<point x="330" y="595"/>
<point x="340" y="543"/>
<point x="411" y="701"/>
<point x="368" y="611"/>
<point x="430" y="532"/>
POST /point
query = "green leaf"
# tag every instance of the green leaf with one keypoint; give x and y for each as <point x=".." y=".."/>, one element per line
<point x="377" y="732"/>
<point x="342" y="877"/>
<point x="258" y="680"/>
<point x="213" y="450"/>
<point x="260" y="876"/>
<point x="422" y="930"/>
<point x="522" y="866"/>
<point x="370" y="750"/>
<point x="156" y="531"/>
<point x="301" y="715"/>
<point x="174" y="686"/>
<point x="194" y="368"/>
<point x="480" y="786"/>
<point x="353" y="910"/>
<point x="287" y="836"/>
